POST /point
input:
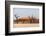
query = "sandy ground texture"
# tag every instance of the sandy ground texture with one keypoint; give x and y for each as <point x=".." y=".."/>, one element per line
<point x="26" y="25"/>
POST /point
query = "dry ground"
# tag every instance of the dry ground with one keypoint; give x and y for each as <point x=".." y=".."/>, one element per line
<point x="26" y="25"/>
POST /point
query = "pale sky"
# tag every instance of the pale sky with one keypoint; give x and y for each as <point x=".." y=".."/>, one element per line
<point x="26" y="12"/>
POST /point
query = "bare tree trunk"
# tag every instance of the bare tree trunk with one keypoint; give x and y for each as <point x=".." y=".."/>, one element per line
<point x="17" y="20"/>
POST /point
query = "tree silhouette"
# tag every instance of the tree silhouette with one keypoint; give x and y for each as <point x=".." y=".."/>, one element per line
<point x="30" y="19"/>
<point x="16" y="18"/>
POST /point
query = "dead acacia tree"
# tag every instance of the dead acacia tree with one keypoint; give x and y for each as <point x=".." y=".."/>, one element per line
<point x="16" y="18"/>
<point x="29" y="19"/>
